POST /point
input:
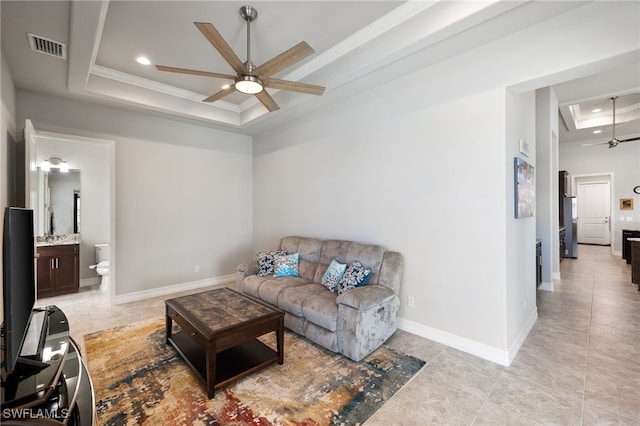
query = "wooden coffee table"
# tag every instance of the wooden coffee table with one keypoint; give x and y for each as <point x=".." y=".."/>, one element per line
<point x="218" y="335"/>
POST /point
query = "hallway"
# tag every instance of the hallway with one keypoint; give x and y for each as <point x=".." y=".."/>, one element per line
<point x="592" y="323"/>
<point x="580" y="364"/>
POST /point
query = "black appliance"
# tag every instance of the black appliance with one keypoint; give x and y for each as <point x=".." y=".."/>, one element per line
<point x="19" y="284"/>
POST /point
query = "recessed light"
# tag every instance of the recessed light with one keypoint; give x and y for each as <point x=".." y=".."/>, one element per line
<point x="143" y="60"/>
<point x="597" y="131"/>
<point x="597" y="110"/>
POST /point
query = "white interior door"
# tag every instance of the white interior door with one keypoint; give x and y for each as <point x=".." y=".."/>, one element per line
<point x="594" y="213"/>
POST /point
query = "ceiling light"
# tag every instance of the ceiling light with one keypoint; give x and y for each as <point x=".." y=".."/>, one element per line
<point x="597" y="131"/>
<point x="248" y="84"/>
<point x="143" y="60"/>
<point x="55" y="162"/>
<point x="597" y="110"/>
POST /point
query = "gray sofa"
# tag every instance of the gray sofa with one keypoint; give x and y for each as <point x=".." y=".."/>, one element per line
<point x="353" y="323"/>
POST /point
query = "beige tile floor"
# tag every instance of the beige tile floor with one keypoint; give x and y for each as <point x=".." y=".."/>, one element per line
<point x="580" y="365"/>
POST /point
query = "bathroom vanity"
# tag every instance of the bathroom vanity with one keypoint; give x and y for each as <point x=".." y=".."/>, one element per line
<point x="58" y="269"/>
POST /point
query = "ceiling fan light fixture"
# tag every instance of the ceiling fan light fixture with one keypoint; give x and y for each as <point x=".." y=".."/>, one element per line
<point x="248" y="84"/>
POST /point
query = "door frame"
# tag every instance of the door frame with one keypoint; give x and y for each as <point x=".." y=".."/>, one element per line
<point x="598" y="177"/>
<point x="41" y="136"/>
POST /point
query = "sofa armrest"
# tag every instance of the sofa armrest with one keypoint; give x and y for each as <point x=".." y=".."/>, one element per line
<point x="249" y="268"/>
<point x="366" y="297"/>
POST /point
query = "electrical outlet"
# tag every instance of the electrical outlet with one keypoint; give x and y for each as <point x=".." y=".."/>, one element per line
<point x="196" y="268"/>
<point x="411" y="302"/>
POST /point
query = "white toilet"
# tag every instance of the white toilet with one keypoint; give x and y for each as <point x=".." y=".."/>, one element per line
<point x="103" y="252"/>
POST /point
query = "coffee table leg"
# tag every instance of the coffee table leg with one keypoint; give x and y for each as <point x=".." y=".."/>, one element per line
<point x="169" y="324"/>
<point x="280" y="340"/>
<point x="211" y="369"/>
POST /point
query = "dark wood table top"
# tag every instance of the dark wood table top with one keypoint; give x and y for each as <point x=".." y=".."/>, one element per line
<point x="218" y="310"/>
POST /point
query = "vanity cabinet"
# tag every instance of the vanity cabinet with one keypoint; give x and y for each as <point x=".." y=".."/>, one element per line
<point x="58" y="269"/>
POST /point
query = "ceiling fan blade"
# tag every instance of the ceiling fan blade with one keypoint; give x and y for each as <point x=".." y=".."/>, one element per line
<point x="284" y="60"/>
<point x="221" y="46"/>
<point x="630" y="139"/>
<point x="195" y="72"/>
<point x="219" y="95"/>
<point x="294" y="86"/>
<point x="267" y="101"/>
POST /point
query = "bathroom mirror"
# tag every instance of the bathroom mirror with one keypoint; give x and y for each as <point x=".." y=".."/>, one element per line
<point x="58" y="208"/>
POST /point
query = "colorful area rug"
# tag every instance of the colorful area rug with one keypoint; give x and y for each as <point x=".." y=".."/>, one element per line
<point x="139" y="380"/>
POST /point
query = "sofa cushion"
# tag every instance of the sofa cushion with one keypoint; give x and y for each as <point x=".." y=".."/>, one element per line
<point x="291" y="298"/>
<point x="252" y="283"/>
<point x="370" y="255"/>
<point x="309" y="248"/>
<point x="266" y="261"/>
<point x="334" y="249"/>
<point x="321" y="309"/>
<point x="286" y="265"/>
<point x="333" y="275"/>
<point x="270" y="290"/>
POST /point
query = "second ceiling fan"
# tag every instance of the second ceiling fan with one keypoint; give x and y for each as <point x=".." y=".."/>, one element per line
<point x="250" y="79"/>
<point x="613" y="142"/>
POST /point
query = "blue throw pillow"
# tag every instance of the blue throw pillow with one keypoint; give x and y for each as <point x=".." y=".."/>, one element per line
<point x="356" y="275"/>
<point x="286" y="265"/>
<point x="333" y="274"/>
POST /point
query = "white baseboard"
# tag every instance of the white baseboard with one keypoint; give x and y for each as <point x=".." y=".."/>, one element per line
<point x="87" y="282"/>
<point x="466" y="345"/>
<point x="176" y="288"/>
<point x="546" y="286"/>
<point x="513" y="351"/>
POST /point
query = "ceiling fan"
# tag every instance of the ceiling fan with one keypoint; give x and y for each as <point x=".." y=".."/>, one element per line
<point x="250" y="79"/>
<point x="613" y="142"/>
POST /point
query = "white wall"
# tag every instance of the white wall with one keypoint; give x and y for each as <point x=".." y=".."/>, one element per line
<point x="407" y="175"/>
<point x="7" y="134"/>
<point x="182" y="192"/>
<point x="7" y="126"/>
<point x="424" y="165"/>
<point x="521" y="233"/>
<point x="547" y="204"/>
<point x="623" y="162"/>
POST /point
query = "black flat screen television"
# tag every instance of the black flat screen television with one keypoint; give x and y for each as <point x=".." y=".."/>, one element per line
<point x="18" y="290"/>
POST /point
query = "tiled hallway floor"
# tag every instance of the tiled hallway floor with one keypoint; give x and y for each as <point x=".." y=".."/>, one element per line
<point x="579" y="365"/>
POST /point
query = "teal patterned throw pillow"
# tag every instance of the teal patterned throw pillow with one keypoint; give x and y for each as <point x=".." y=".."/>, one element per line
<point x="332" y="276"/>
<point x="286" y="266"/>
<point x="356" y="275"/>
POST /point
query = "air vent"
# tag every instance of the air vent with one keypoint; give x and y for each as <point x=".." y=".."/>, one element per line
<point x="47" y="46"/>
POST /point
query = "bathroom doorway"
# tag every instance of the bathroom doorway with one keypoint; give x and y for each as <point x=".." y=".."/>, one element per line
<point x="92" y="203"/>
